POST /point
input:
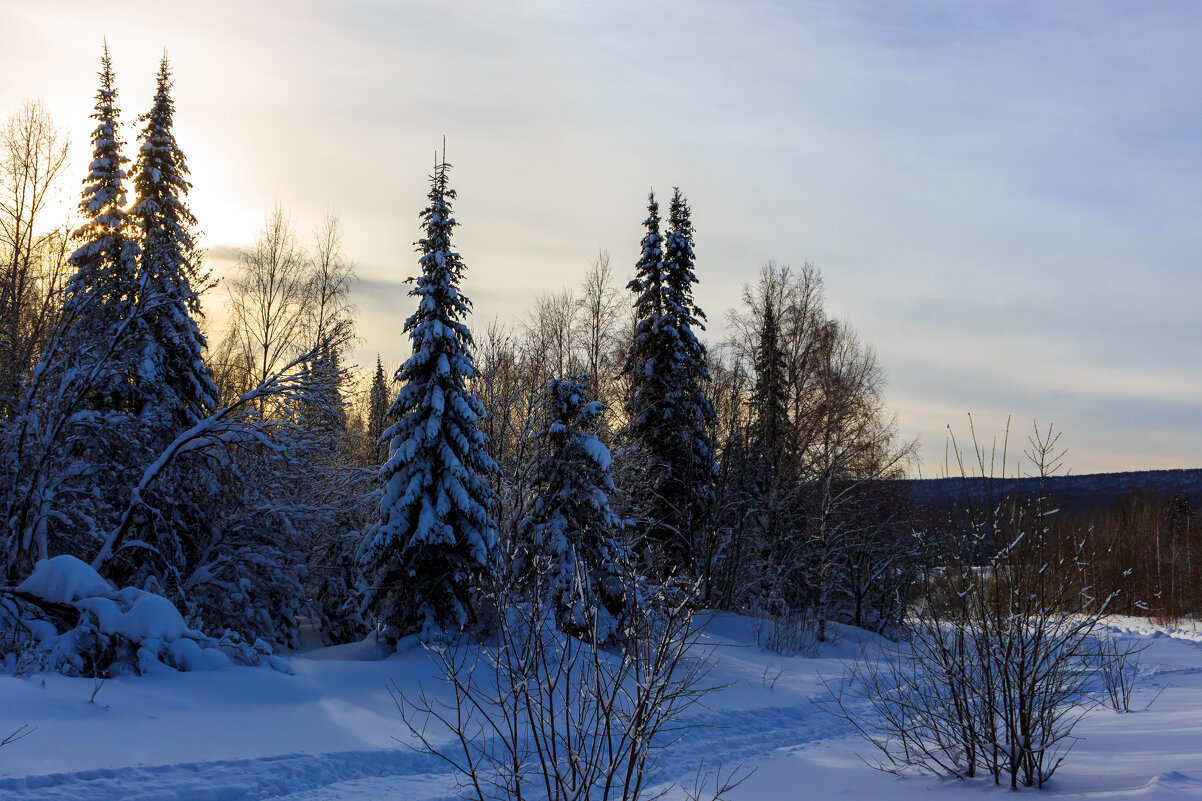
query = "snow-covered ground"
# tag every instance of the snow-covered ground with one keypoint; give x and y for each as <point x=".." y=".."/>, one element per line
<point x="327" y="732"/>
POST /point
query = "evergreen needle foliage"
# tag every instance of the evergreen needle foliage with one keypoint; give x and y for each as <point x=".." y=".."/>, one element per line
<point x="435" y="537"/>
<point x="669" y="413"/>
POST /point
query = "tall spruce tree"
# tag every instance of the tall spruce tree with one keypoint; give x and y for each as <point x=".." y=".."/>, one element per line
<point x="644" y="361"/>
<point x="103" y="294"/>
<point x="765" y="479"/>
<point x="177" y="383"/>
<point x="693" y="412"/>
<point x="435" y="538"/>
<point x="571" y="531"/>
<point x="768" y="402"/>
<point x="96" y="366"/>
<point x="667" y="408"/>
<point x="377" y="415"/>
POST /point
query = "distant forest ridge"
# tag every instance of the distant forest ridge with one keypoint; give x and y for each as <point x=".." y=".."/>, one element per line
<point x="1075" y="491"/>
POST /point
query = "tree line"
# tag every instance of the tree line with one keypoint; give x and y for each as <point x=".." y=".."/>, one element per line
<point x="597" y="444"/>
<point x="253" y="482"/>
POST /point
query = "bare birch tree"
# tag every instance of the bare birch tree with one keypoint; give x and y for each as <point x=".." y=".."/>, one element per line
<point x="268" y="297"/>
<point x="596" y="335"/>
<point x="329" y="310"/>
<point x="33" y="259"/>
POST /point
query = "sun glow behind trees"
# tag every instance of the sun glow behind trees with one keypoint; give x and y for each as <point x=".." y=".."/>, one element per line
<point x="762" y="477"/>
<point x="920" y="195"/>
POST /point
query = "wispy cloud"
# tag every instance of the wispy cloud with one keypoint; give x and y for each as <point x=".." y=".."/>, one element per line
<point x="1004" y="196"/>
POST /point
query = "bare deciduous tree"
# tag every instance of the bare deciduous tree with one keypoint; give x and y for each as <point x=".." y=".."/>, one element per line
<point x="548" y="331"/>
<point x="853" y="444"/>
<point x="1003" y="650"/>
<point x="33" y="261"/>
<point x="268" y="298"/>
<point x="596" y="336"/>
<point x="328" y="307"/>
<point x="285" y="300"/>
<point x="812" y="452"/>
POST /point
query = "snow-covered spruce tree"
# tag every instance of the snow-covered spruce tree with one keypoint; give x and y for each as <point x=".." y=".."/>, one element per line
<point x="74" y="444"/>
<point x="323" y="410"/>
<point x="105" y="289"/>
<point x="435" y="537"/>
<point x="169" y="378"/>
<point x="175" y="380"/>
<point x="694" y="414"/>
<point x="570" y="533"/>
<point x="668" y="411"/>
<point x="648" y="389"/>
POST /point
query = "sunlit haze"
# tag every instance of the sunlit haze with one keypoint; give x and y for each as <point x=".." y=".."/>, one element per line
<point x="1005" y="198"/>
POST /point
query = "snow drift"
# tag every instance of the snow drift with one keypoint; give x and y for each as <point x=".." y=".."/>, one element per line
<point x="66" y="618"/>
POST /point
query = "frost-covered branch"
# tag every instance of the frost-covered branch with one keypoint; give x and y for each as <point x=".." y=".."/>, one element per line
<point x="51" y="412"/>
<point x="231" y="425"/>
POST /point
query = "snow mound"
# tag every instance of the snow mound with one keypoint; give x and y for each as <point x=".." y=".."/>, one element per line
<point x="1174" y="782"/>
<point x="64" y="579"/>
<point x="65" y="617"/>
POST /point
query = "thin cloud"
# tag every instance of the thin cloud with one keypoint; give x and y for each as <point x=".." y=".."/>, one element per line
<point x="1003" y="196"/>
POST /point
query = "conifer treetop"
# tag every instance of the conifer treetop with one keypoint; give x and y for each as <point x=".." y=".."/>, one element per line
<point x="667" y="409"/>
<point x="103" y="233"/>
<point x="104" y="188"/>
<point x="160" y="175"/>
<point x="442" y="307"/>
<point x="649" y="270"/>
<point x="679" y="259"/>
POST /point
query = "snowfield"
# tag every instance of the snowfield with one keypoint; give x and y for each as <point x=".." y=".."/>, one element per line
<point x="327" y="731"/>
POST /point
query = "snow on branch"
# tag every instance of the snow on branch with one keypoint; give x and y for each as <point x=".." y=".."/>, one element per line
<point x="231" y="425"/>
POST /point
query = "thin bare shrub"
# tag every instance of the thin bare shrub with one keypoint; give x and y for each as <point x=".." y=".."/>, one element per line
<point x="540" y="714"/>
<point x="1002" y="652"/>
<point x="783" y="630"/>
<point x="1115" y="663"/>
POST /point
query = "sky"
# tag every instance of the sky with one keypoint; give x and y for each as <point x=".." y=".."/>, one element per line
<point x="1004" y="197"/>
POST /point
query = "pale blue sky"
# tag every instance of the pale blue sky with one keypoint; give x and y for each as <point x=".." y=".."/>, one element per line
<point x="1004" y="197"/>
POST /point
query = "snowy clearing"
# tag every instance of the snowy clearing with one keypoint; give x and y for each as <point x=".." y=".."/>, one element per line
<point x="327" y="731"/>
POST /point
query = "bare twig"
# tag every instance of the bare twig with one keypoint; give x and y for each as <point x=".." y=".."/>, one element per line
<point x="565" y="716"/>
<point x="22" y="732"/>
